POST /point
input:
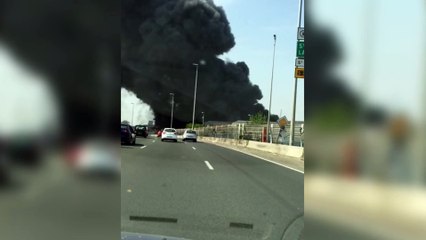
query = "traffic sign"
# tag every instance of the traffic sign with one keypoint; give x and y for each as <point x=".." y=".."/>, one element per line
<point x="301" y="33"/>
<point x="300" y="50"/>
<point x="299" y="72"/>
<point x="282" y="122"/>
<point x="300" y="62"/>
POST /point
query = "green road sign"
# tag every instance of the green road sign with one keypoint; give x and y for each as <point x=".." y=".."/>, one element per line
<point x="300" y="51"/>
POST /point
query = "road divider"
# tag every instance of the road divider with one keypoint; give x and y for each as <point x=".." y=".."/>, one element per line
<point x="276" y="163"/>
<point x="279" y="149"/>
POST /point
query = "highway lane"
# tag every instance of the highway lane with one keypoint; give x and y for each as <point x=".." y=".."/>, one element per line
<point x="203" y="191"/>
<point x="51" y="202"/>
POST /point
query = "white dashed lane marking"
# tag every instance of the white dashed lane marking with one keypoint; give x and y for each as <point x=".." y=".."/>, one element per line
<point x="208" y="165"/>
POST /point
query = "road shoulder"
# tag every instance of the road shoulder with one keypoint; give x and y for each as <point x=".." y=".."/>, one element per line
<point x="296" y="164"/>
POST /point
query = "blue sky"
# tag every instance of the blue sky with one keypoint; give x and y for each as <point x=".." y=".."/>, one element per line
<point x="395" y="34"/>
<point x="253" y="24"/>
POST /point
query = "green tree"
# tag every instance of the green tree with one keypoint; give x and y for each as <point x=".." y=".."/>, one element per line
<point x="196" y="125"/>
<point x="258" y="118"/>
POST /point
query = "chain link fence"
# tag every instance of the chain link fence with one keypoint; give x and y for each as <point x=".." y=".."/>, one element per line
<point x="253" y="133"/>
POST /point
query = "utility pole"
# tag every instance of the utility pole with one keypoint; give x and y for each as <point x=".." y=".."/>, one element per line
<point x="423" y="136"/>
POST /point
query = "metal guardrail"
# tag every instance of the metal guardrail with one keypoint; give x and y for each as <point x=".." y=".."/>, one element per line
<point x="251" y="132"/>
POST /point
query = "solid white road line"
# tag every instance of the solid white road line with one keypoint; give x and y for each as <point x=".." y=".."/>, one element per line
<point x="143" y="147"/>
<point x="208" y="165"/>
<point x="194" y="148"/>
<point x="279" y="164"/>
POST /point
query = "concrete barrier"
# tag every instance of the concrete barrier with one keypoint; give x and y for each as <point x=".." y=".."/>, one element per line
<point x="284" y="150"/>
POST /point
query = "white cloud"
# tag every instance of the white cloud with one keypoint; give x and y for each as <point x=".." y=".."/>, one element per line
<point x="142" y="112"/>
<point x="27" y="103"/>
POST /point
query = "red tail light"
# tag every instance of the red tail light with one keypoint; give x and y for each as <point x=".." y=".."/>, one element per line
<point x="72" y="155"/>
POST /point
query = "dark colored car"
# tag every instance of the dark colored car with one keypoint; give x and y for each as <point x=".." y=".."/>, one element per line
<point x="128" y="134"/>
<point x="141" y="131"/>
<point x="4" y="165"/>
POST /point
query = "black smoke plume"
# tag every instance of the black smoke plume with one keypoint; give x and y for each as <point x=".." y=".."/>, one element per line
<point x="76" y="44"/>
<point x="161" y="39"/>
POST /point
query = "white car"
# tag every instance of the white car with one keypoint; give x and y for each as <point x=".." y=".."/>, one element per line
<point x="190" y="135"/>
<point x="169" y="134"/>
<point x="95" y="156"/>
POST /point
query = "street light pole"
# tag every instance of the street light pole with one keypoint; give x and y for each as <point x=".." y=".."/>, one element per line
<point x="171" y="114"/>
<point x="270" y="95"/>
<point x="133" y="109"/>
<point x="195" y="93"/>
<point x="293" y="115"/>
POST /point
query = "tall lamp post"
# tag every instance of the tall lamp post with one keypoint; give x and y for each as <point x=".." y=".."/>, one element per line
<point x="270" y="94"/>
<point x="195" y="93"/>
<point x="202" y="62"/>
<point x="202" y="117"/>
<point x="133" y="109"/>
<point x="171" y="114"/>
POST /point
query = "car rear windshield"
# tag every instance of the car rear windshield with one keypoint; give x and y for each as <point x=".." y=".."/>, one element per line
<point x="191" y="131"/>
<point x="169" y="130"/>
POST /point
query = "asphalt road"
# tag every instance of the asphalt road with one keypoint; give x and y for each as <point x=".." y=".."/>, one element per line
<point x="203" y="191"/>
<point x="50" y="202"/>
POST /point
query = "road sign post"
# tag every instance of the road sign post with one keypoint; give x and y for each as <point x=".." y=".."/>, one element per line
<point x="299" y="72"/>
<point x="300" y="50"/>
<point x="300" y="63"/>
<point x="300" y="33"/>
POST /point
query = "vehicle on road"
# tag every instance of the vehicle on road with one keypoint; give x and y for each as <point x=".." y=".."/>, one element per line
<point x="26" y="150"/>
<point x="128" y="134"/>
<point x="190" y="135"/>
<point x="94" y="156"/>
<point x="4" y="167"/>
<point x="169" y="134"/>
<point x="141" y="130"/>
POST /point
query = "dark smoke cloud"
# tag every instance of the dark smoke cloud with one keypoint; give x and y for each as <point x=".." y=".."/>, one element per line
<point x="160" y="42"/>
<point x="323" y="87"/>
<point x="77" y="45"/>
